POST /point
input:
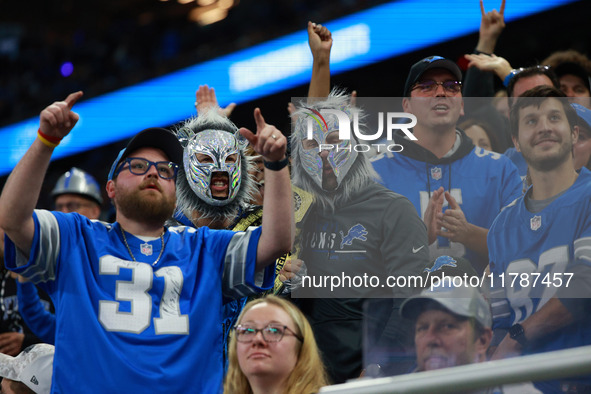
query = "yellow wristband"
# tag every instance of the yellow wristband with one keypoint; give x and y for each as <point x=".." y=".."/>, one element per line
<point x="46" y="142"/>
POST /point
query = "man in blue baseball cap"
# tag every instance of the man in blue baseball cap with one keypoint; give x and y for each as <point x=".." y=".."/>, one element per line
<point x="582" y="148"/>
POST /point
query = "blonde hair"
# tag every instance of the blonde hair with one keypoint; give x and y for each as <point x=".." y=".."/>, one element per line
<point x="308" y="375"/>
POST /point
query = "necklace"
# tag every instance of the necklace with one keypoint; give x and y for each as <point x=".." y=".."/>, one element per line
<point x="129" y="249"/>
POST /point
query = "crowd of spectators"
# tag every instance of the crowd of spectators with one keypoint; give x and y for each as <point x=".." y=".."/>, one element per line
<point x="470" y="207"/>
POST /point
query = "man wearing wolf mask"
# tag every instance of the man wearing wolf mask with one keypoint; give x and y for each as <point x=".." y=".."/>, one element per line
<point x="356" y="227"/>
<point x="213" y="186"/>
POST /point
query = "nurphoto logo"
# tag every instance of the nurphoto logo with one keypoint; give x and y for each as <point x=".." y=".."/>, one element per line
<point x="391" y="120"/>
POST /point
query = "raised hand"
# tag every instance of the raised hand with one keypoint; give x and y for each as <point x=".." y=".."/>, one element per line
<point x="454" y="221"/>
<point x="205" y="98"/>
<point x="434" y="208"/>
<point x="319" y="39"/>
<point x="268" y="141"/>
<point x="58" y="119"/>
<point x="494" y="63"/>
<point x="291" y="269"/>
<point x="492" y="25"/>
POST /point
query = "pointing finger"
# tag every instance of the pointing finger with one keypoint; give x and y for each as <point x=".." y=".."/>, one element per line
<point x="72" y="98"/>
<point x="260" y="121"/>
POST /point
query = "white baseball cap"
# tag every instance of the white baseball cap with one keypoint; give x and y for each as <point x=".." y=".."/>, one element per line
<point x="33" y="367"/>
<point x="465" y="301"/>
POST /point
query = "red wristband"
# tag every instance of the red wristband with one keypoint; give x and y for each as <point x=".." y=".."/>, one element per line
<point x="54" y="140"/>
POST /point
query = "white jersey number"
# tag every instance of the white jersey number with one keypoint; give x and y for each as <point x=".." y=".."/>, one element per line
<point x="520" y="275"/>
<point x="136" y="291"/>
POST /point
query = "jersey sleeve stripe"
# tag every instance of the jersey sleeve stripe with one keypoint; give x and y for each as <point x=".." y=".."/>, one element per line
<point x="235" y="265"/>
<point x="43" y="267"/>
<point x="583" y="250"/>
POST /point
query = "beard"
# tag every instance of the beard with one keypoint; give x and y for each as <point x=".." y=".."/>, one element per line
<point x="154" y="211"/>
<point x="548" y="163"/>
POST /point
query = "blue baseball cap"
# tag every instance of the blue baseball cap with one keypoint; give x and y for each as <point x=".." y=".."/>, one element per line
<point x="584" y="114"/>
<point x="154" y="137"/>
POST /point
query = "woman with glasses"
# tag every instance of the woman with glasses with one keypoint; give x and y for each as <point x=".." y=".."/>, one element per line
<point x="273" y="350"/>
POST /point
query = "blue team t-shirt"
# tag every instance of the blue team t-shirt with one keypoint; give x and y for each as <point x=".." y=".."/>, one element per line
<point x="541" y="246"/>
<point x="125" y="325"/>
<point x="482" y="182"/>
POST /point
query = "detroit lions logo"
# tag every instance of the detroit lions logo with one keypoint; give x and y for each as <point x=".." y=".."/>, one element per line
<point x="356" y="232"/>
<point x="440" y="262"/>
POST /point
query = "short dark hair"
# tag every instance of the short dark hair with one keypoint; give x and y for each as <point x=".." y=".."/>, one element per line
<point x="530" y="72"/>
<point x="537" y="96"/>
<point x="526" y="72"/>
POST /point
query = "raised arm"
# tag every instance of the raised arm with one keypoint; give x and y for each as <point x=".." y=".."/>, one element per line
<point x="479" y="82"/>
<point x="23" y="186"/>
<point x="320" y="41"/>
<point x="492" y="25"/>
<point x="278" y="221"/>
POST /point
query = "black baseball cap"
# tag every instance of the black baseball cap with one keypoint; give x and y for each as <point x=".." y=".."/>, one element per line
<point x="154" y="137"/>
<point x="429" y="63"/>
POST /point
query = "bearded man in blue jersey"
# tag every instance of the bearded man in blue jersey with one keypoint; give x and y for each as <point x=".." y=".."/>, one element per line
<point x="544" y="239"/>
<point x="456" y="187"/>
<point x="139" y="304"/>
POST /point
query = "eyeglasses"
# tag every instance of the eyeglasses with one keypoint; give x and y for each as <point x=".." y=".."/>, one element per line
<point x="271" y="333"/>
<point x="139" y="166"/>
<point x="429" y="86"/>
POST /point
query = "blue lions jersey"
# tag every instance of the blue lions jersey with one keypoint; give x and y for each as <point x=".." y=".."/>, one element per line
<point x="482" y="182"/>
<point x="517" y="158"/>
<point x="132" y="326"/>
<point x="540" y="245"/>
